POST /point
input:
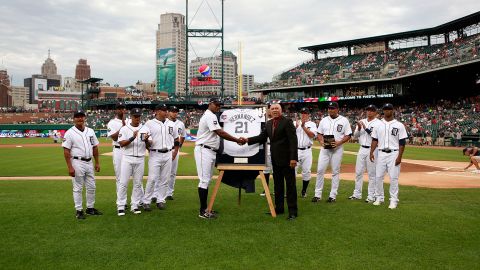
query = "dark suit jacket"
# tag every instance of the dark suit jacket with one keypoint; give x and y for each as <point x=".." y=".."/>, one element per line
<point x="283" y="144"/>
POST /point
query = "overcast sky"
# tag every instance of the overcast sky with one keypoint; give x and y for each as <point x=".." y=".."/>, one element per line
<point x="117" y="37"/>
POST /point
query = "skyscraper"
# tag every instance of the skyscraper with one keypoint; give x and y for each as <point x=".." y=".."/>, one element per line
<point x="82" y="71"/>
<point x="170" y="54"/>
<point x="49" y="69"/>
<point x="4" y="78"/>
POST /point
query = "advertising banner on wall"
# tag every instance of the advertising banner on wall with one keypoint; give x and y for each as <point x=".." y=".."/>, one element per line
<point x="166" y="70"/>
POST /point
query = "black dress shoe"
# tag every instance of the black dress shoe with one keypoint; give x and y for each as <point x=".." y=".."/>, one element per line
<point x="291" y="217"/>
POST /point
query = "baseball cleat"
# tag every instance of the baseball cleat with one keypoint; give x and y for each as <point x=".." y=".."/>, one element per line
<point x="316" y="199"/>
<point x="369" y="200"/>
<point x="93" y="212"/>
<point x="354" y="198"/>
<point x="331" y="200"/>
<point x="206" y="215"/>
<point x="304" y="194"/>
<point x="161" y="206"/>
<point x="392" y="205"/>
<point x="136" y="211"/>
<point x="146" y="207"/>
<point x="169" y="198"/>
<point x="154" y="200"/>
<point x="377" y="202"/>
<point x="121" y="213"/>
<point x="79" y="214"/>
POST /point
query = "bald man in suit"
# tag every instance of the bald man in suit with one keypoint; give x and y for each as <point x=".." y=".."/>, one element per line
<point x="283" y="148"/>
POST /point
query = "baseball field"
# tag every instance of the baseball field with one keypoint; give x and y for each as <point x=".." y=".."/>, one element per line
<point x="436" y="225"/>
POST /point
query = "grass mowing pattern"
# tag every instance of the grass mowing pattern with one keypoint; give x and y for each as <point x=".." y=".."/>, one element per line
<point x="431" y="229"/>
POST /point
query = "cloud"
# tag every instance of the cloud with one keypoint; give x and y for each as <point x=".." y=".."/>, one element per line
<point x="118" y="37"/>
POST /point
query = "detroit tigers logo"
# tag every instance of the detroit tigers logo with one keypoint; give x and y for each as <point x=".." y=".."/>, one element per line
<point x="394" y="131"/>
<point x="180" y="130"/>
<point x="339" y="128"/>
<point x="224" y="117"/>
<point x="170" y="130"/>
<point x="92" y="141"/>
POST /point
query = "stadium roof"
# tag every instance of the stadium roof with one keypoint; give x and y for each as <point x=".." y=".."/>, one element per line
<point x="441" y="29"/>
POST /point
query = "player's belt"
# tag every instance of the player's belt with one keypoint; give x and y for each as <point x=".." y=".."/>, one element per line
<point x="82" y="159"/>
<point x="208" y="147"/>
<point x="116" y="146"/>
<point x="304" y="148"/>
<point x="365" y="146"/>
<point x="388" y="150"/>
<point x="161" y="150"/>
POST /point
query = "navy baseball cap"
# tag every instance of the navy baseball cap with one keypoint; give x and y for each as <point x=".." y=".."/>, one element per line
<point x="304" y="110"/>
<point x="333" y="104"/>
<point x="79" y="113"/>
<point x="371" y="107"/>
<point x="161" y="107"/>
<point x="216" y="100"/>
<point x="173" y="109"/>
<point x="120" y="105"/>
<point x="136" y="112"/>
<point x="388" y="106"/>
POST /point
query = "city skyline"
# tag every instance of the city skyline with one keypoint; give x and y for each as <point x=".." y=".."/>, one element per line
<point x="118" y="38"/>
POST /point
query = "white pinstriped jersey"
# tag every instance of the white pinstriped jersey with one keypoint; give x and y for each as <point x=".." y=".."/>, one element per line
<point x="206" y="127"/>
<point x="80" y="143"/>
<point x="241" y="123"/>
<point x="180" y="126"/>
<point x="365" y="138"/>
<point x="113" y="126"/>
<point x="137" y="147"/>
<point x="389" y="134"/>
<point x="302" y="137"/>
<point x="163" y="133"/>
<point x="338" y="127"/>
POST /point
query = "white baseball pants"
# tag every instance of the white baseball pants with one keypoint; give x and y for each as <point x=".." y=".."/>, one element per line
<point x="131" y="166"/>
<point x="334" y="157"/>
<point x="305" y="162"/>
<point x="386" y="163"/>
<point x="84" y="175"/>
<point x="363" y="162"/>
<point x="159" y="167"/>
<point x="173" y="175"/>
<point x="205" y="160"/>
<point x="117" y="163"/>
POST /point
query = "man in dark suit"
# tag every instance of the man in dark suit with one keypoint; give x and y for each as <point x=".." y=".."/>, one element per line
<point x="283" y="148"/>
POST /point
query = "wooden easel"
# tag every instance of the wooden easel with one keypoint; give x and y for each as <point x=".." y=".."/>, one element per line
<point x="223" y="168"/>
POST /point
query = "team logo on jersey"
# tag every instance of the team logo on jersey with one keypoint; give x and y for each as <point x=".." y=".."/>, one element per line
<point x="224" y="117"/>
<point x="92" y="140"/>
<point x="394" y="131"/>
<point x="180" y="130"/>
<point x="170" y="130"/>
<point x="339" y="128"/>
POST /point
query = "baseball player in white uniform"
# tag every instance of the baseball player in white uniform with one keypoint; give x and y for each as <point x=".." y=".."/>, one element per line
<point x="473" y="156"/>
<point x="390" y="137"/>
<point x="306" y="131"/>
<point x="363" y="131"/>
<point x="134" y="138"/>
<point x="79" y="146"/>
<point x="206" y="147"/>
<point x="164" y="139"/>
<point x="337" y="128"/>
<point x="182" y="133"/>
<point x="113" y="130"/>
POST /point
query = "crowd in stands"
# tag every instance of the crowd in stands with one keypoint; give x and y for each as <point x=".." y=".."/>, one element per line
<point x="378" y="65"/>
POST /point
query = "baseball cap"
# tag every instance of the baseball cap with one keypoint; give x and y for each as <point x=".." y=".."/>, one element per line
<point x="79" y="113"/>
<point x="304" y="110"/>
<point x="161" y="107"/>
<point x="173" y="109"/>
<point x="371" y="107"/>
<point x="333" y="104"/>
<point x="388" y="106"/>
<point x="136" y="112"/>
<point x="120" y="105"/>
<point x="216" y="100"/>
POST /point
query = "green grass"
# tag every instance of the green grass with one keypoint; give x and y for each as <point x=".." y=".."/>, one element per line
<point x="431" y="229"/>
